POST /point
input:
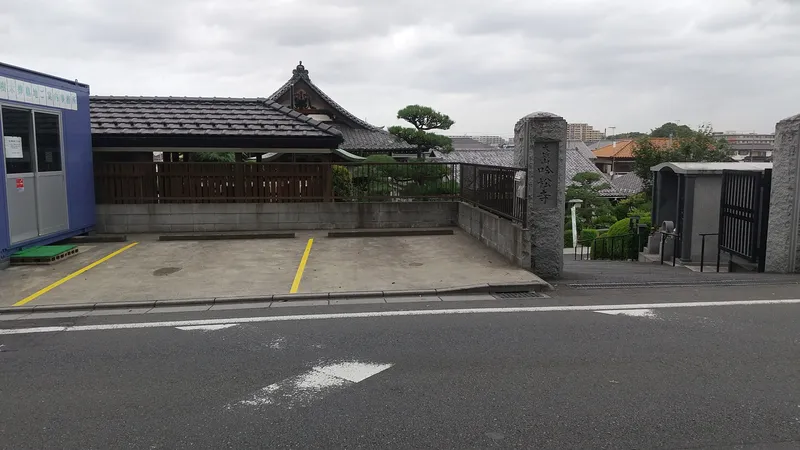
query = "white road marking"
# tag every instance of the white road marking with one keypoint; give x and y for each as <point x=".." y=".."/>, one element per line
<point x="374" y="314"/>
<point x="221" y="326"/>
<point x="314" y="384"/>
<point x="648" y="313"/>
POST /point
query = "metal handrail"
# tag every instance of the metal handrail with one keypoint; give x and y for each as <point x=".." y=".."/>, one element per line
<point x="703" y="250"/>
<point x="676" y="237"/>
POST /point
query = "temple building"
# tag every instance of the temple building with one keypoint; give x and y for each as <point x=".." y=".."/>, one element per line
<point x="360" y="137"/>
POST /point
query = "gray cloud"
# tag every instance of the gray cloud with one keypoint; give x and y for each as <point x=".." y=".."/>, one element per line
<point x="633" y="65"/>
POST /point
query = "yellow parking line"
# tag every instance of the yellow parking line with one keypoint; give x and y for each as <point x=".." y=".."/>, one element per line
<point x="299" y="275"/>
<point x="71" y="276"/>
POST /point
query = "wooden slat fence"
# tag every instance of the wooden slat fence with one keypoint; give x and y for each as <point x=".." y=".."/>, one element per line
<point x="133" y="182"/>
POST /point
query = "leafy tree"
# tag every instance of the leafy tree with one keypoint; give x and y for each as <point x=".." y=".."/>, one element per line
<point x="634" y="205"/>
<point x="671" y="129"/>
<point x="631" y="135"/>
<point x="424" y="119"/>
<point x="586" y="186"/>
<point x="212" y="157"/>
<point x="700" y="146"/>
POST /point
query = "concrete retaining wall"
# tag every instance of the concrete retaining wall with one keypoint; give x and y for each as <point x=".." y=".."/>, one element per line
<point x="502" y="235"/>
<point x="198" y="217"/>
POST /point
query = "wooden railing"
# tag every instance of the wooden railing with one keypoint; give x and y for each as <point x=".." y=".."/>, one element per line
<point x="489" y="187"/>
<point x="134" y="182"/>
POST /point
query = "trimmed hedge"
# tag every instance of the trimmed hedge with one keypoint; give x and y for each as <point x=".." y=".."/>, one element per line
<point x="619" y="242"/>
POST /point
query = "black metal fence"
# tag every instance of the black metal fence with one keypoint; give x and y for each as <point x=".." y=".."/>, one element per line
<point x="500" y="190"/>
<point x="624" y="247"/>
<point x="744" y="214"/>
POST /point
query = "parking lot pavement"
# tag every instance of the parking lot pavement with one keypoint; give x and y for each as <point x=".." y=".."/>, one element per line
<point x="18" y="282"/>
<point x="399" y="263"/>
<point x="153" y="270"/>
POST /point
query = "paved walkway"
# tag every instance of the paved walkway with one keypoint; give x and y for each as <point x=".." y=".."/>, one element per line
<point x="576" y="272"/>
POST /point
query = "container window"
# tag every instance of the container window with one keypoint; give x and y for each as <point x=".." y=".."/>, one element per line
<point x="17" y="141"/>
<point x="48" y="142"/>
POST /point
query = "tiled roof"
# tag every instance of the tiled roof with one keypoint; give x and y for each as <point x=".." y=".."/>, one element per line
<point x="301" y="73"/>
<point x="628" y="184"/>
<point x="581" y="147"/>
<point x="176" y="116"/>
<point x="372" y="141"/>
<point x="504" y="157"/>
<point x="465" y="143"/>
<point x="492" y="157"/>
<point x="577" y="163"/>
<point x="624" y="148"/>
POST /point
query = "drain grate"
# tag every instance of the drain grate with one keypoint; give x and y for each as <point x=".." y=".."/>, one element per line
<point x="518" y="295"/>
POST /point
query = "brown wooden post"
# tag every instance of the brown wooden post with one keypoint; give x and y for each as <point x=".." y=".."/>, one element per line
<point x="327" y="182"/>
<point x="238" y="179"/>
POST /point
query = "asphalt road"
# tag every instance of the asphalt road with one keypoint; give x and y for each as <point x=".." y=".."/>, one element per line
<point x="696" y="377"/>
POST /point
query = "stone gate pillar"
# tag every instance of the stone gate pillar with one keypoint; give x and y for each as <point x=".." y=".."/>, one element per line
<point x="540" y="145"/>
<point x="784" y="206"/>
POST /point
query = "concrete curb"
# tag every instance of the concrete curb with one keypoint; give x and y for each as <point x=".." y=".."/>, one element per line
<point x="226" y="236"/>
<point x="490" y="288"/>
<point x="391" y="233"/>
<point x="98" y="239"/>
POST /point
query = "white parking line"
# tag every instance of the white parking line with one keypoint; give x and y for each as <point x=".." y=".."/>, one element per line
<point x="374" y="314"/>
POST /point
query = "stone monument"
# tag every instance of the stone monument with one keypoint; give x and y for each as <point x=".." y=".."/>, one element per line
<point x="784" y="207"/>
<point x="540" y="146"/>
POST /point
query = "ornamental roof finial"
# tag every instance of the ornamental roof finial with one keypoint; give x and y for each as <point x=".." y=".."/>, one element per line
<point x="300" y="70"/>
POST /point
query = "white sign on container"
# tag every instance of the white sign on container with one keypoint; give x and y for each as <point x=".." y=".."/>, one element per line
<point x="13" y="147"/>
<point x="37" y="94"/>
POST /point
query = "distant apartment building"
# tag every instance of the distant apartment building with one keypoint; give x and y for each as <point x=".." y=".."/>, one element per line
<point x="584" y="132"/>
<point x="495" y="141"/>
<point x="749" y="146"/>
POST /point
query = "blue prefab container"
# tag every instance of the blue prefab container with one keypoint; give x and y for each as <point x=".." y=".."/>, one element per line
<point x="47" y="183"/>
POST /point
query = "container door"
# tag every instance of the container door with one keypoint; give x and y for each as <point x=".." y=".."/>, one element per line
<point x="51" y="192"/>
<point x="18" y="151"/>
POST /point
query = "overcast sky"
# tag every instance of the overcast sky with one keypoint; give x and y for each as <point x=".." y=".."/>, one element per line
<point x="632" y="64"/>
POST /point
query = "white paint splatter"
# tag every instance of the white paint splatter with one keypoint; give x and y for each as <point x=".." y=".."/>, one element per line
<point x="208" y="327"/>
<point x="314" y="384"/>
<point x="278" y="343"/>
<point x="646" y="313"/>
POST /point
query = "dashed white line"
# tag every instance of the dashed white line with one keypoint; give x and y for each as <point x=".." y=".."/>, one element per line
<point x="375" y="314"/>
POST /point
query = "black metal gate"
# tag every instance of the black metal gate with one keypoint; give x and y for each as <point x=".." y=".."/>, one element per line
<point x="744" y="214"/>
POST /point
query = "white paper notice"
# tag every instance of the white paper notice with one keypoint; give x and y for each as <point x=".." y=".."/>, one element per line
<point x="13" y="147"/>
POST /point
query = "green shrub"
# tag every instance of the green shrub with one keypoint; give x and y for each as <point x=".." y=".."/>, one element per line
<point x="619" y="242"/>
<point x="605" y="220"/>
<point x="567" y="238"/>
<point x="587" y="235"/>
<point x="342" y="183"/>
<point x="431" y="189"/>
